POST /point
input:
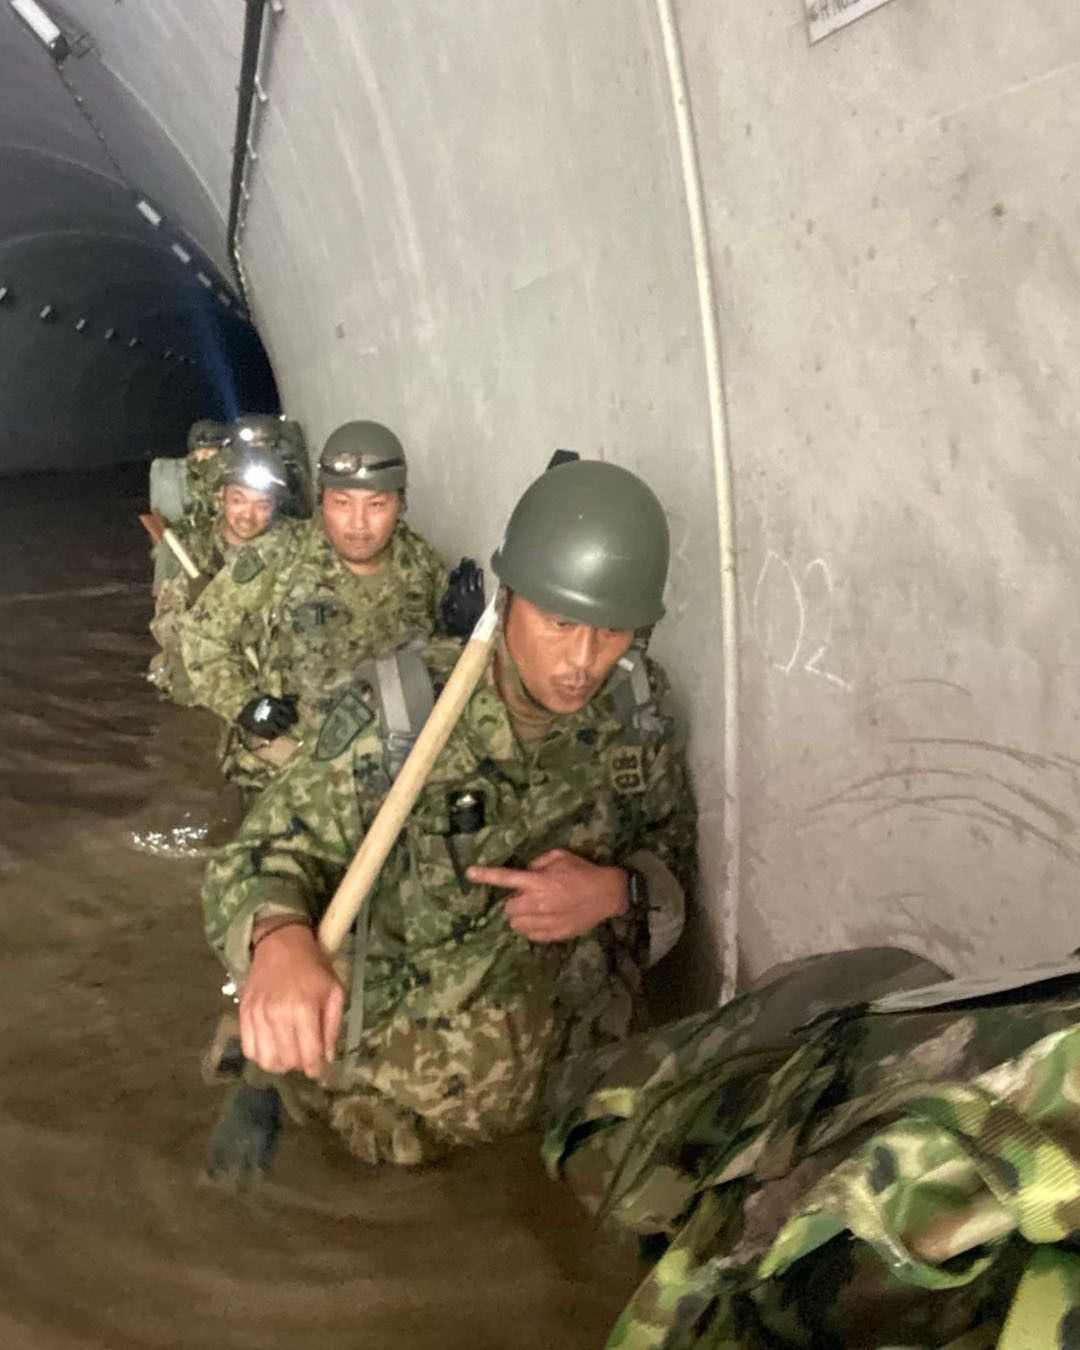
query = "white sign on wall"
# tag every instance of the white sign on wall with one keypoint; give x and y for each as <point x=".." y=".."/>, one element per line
<point x="826" y="16"/>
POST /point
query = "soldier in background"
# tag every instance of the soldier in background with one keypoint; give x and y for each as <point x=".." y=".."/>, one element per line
<point x="236" y="489"/>
<point x="276" y="635"/>
<point x="562" y="784"/>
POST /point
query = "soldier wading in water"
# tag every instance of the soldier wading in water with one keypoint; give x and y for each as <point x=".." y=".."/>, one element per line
<point x="277" y="635"/>
<point x="560" y="786"/>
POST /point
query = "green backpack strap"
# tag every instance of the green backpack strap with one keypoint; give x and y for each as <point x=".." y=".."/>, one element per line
<point x="635" y="702"/>
<point x="406" y="697"/>
<point x="1045" y="1310"/>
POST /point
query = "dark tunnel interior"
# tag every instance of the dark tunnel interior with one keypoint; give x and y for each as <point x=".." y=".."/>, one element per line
<point x="116" y="329"/>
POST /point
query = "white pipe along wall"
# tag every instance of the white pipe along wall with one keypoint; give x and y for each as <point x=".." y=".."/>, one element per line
<point x="503" y="228"/>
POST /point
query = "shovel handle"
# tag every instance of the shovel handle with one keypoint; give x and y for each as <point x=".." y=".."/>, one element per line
<point x="380" y="839"/>
<point x="156" y="528"/>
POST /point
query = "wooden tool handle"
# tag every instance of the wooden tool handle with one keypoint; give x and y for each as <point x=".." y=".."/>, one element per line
<point x="183" y="557"/>
<point x="387" y="825"/>
<point x="154" y="525"/>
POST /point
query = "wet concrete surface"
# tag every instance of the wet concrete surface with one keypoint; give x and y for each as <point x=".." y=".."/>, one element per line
<point x="108" y="996"/>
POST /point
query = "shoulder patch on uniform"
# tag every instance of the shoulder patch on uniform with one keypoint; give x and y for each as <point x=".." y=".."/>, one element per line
<point x="170" y="564"/>
<point x="249" y="563"/>
<point x="344" y="722"/>
<point x="626" y="770"/>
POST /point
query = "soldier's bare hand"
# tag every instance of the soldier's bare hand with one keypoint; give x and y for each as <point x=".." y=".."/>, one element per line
<point x="290" y="1010"/>
<point x="559" y="895"/>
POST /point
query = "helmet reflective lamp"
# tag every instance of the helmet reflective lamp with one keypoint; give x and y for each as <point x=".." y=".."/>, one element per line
<point x="363" y="455"/>
<point x="257" y="467"/>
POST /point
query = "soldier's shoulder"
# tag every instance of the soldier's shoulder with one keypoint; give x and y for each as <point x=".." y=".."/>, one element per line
<point x="270" y="552"/>
<point x="248" y="563"/>
<point x="640" y="673"/>
<point x="638" y="694"/>
<point x="415" y="549"/>
<point x="285" y="540"/>
<point x="440" y="656"/>
<point x="352" y="712"/>
<point x="291" y="531"/>
<point x="657" y="676"/>
<point x="391" y="695"/>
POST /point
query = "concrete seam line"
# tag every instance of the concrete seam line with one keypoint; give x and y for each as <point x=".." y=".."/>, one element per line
<point x="723" y="476"/>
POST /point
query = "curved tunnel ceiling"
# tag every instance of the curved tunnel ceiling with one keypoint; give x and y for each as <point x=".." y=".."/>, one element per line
<point x="117" y="329"/>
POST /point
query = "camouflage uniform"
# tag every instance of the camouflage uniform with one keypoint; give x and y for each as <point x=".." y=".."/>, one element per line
<point x="903" y="1173"/>
<point x="460" y="1015"/>
<point x="297" y="621"/>
<point x="174" y="591"/>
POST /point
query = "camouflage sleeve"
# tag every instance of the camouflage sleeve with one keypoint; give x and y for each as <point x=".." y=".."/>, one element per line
<point x="166" y="567"/>
<point x="203" y="484"/>
<point x="438" y="575"/>
<point x="228" y="617"/>
<point x="170" y="602"/>
<point x="288" y="854"/>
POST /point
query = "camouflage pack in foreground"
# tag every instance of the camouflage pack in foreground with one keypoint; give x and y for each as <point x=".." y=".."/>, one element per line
<point x="903" y="1171"/>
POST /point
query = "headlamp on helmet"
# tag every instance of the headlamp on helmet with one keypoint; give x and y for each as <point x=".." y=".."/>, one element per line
<point x="363" y="455"/>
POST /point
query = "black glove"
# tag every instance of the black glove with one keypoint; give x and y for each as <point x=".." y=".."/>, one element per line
<point x="267" y="716"/>
<point x="463" y="602"/>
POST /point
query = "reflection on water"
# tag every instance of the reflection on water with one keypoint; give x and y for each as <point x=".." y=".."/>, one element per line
<point x="182" y="840"/>
<point x="107" y="997"/>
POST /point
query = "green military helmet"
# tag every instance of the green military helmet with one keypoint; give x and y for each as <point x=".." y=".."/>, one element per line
<point x="256" y="465"/>
<point x="291" y="431"/>
<point x="588" y="541"/>
<point x="204" y="433"/>
<point x="363" y="455"/>
<point x="252" y="429"/>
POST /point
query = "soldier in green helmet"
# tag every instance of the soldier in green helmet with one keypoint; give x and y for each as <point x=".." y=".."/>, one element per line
<point x="541" y="869"/>
<point x="237" y="482"/>
<point x="277" y="634"/>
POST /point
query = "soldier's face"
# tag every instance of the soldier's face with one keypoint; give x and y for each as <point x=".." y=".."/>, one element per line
<point x="359" y="524"/>
<point x="561" y="663"/>
<point x="245" y="513"/>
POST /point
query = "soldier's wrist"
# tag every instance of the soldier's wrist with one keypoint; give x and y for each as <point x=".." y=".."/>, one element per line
<point x="268" y="928"/>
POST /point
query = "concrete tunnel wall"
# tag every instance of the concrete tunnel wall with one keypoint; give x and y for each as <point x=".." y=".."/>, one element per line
<point x="473" y="222"/>
<point x="111" y="343"/>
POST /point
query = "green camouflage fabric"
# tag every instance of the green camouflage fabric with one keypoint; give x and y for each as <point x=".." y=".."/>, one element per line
<point x="174" y="592"/>
<point x="460" y="1015"/>
<point x="873" y="1179"/>
<point x="297" y="621"/>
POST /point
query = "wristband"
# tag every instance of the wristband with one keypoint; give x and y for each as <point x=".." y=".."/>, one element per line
<point x="276" y="925"/>
<point x="637" y="892"/>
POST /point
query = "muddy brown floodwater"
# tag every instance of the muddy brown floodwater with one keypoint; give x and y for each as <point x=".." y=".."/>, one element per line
<point x="107" y="998"/>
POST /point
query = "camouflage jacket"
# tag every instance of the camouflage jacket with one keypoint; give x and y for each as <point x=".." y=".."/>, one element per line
<point x="174" y="592"/>
<point x="297" y="621"/>
<point x="460" y="1014"/>
<point x="904" y="1171"/>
